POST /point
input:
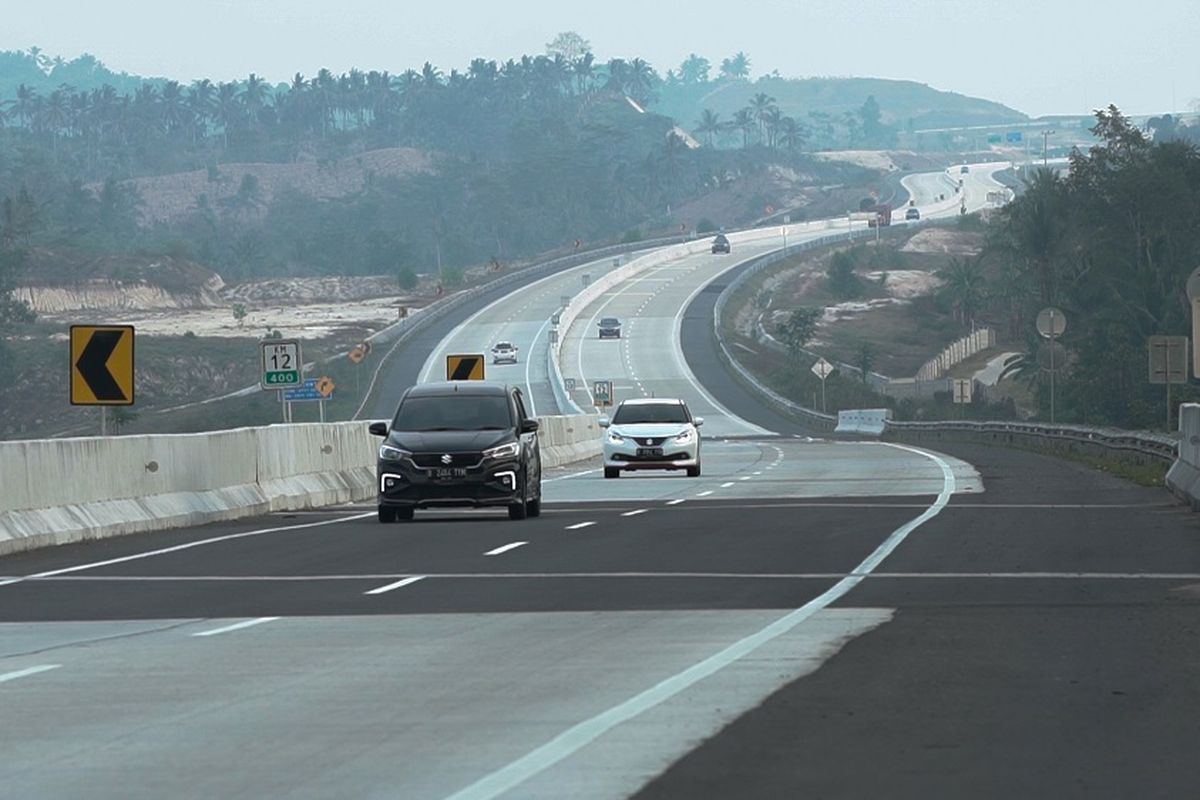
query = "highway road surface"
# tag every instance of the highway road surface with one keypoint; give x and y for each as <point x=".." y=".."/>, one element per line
<point x="808" y="618"/>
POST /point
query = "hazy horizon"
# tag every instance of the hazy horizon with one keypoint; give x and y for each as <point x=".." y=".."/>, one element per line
<point x="1031" y="56"/>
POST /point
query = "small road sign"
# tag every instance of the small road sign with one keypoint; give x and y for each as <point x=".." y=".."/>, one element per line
<point x="359" y="352"/>
<point x="822" y="369"/>
<point x="553" y="335"/>
<point x="281" y="363"/>
<point x="602" y="393"/>
<point x="102" y="365"/>
<point x="1051" y="323"/>
<point x="962" y="390"/>
<point x="304" y="393"/>
<point x="325" y="386"/>
<point x="569" y="384"/>
<point x="465" y="367"/>
<point x="1168" y="359"/>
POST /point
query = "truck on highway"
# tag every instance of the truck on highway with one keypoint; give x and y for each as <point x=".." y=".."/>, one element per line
<point x="883" y="215"/>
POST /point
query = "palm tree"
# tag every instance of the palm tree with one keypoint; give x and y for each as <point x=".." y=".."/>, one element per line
<point x="201" y="100"/>
<point x="735" y="67"/>
<point x="254" y="98"/>
<point x="760" y="104"/>
<point x="584" y="68"/>
<point x="694" y="69"/>
<point x="708" y="124"/>
<point x="792" y="134"/>
<point x="965" y="284"/>
<point x="226" y="109"/>
<point x="771" y="120"/>
<point x="743" y="120"/>
<point x="642" y="78"/>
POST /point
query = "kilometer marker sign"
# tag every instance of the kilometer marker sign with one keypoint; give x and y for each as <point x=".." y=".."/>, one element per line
<point x="281" y="363"/>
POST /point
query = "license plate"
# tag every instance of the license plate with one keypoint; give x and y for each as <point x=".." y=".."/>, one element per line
<point x="649" y="452"/>
<point x="446" y="474"/>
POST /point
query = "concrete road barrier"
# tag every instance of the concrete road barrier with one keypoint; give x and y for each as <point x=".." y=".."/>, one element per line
<point x="1183" y="479"/>
<point x="868" y="421"/>
<point x="58" y="491"/>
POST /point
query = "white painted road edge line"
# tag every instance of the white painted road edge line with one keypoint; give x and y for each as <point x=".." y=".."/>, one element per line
<point x="398" y="584"/>
<point x="704" y="494"/>
<point x="504" y="548"/>
<point x="580" y="735"/>
<point x="726" y="485"/>
<point x="579" y="525"/>
<point x="237" y="626"/>
<point x="635" y="512"/>
<point x="674" y="502"/>
<point x="187" y="546"/>
<point x="21" y="673"/>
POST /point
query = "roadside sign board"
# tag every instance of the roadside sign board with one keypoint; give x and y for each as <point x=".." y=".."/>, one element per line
<point x="102" y="365"/>
<point x="281" y="363"/>
<point x="1168" y="359"/>
<point x="994" y="138"/>
<point x="602" y="393"/>
<point x="325" y="386"/>
<point x="822" y="369"/>
<point x="1014" y="136"/>
<point x="962" y="390"/>
<point x="356" y="355"/>
<point x="304" y="393"/>
<point x="1051" y="323"/>
<point x="553" y="335"/>
<point x="569" y="384"/>
<point x="465" y="367"/>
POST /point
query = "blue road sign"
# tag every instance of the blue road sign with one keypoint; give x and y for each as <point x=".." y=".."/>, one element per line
<point x="306" y="392"/>
<point x="1014" y="136"/>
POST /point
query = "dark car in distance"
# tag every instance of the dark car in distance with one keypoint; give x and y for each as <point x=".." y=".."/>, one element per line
<point x="912" y="213"/>
<point x="720" y="243"/>
<point x="610" y="328"/>
<point x="463" y="443"/>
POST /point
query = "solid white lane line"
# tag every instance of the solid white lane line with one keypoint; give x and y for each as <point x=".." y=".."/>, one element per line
<point x="21" y="673"/>
<point x="529" y="363"/>
<point x="580" y="525"/>
<point x="674" y="502"/>
<point x="704" y="494"/>
<point x="635" y="512"/>
<point x="726" y="485"/>
<point x="390" y="586"/>
<point x="744" y="478"/>
<point x="187" y="546"/>
<point x="580" y="735"/>
<point x="505" y="548"/>
<point x="237" y="626"/>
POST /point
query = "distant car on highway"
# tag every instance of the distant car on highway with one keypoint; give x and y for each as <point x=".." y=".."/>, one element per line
<point x="912" y="213"/>
<point x="651" y="433"/>
<point x="610" y="328"/>
<point x="964" y="169"/>
<point x="464" y="443"/>
<point x="720" y="243"/>
<point x="504" y="353"/>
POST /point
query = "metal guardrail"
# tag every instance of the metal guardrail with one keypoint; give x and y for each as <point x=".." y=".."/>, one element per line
<point x="1147" y="443"/>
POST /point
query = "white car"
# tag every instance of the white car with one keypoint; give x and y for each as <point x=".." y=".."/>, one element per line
<point x="651" y="433"/>
<point x="504" y="353"/>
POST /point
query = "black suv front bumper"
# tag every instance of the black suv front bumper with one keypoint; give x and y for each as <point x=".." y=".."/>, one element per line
<point x="402" y="484"/>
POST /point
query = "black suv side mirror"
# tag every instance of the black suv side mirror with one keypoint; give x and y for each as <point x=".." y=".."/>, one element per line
<point x="378" y="429"/>
<point x="529" y="426"/>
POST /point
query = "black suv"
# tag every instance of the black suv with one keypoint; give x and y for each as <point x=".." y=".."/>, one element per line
<point x="610" y="328"/>
<point x="720" y="244"/>
<point x="465" y="443"/>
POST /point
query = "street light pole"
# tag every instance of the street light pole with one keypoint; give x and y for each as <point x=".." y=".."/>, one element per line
<point x="1045" y="135"/>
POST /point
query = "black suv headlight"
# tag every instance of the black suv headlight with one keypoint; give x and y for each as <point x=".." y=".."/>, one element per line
<point x="388" y="452"/>
<point x="510" y="450"/>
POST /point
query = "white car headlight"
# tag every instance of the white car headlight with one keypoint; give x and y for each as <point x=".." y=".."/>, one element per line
<point x="389" y="453"/>
<point x="510" y="450"/>
<point x="685" y="437"/>
<point x="615" y="437"/>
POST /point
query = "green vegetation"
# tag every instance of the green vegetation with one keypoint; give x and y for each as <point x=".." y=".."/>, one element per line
<point x="1112" y="245"/>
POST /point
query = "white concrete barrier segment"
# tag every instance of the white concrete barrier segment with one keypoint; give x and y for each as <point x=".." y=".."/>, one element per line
<point x="1183" y="479"/>
<point x="869" y="421"/>
<point x="57" y="491"/>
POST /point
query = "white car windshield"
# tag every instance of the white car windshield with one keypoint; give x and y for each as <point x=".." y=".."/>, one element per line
<point x="639" y="413"/>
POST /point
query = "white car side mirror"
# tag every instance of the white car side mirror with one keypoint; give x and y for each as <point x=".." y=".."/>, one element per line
<point x="603" y="422"/>
<point x="697" y="421"/>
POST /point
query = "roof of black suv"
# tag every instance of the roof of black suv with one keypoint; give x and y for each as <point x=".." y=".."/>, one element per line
<point x="449" y="388"/>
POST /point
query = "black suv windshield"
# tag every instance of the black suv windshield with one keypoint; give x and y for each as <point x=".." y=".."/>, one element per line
<point x="453" y="413"/>
<point x="636" y="413"/>
<point x="720" y="239"/>
<point x="610" y="322"/>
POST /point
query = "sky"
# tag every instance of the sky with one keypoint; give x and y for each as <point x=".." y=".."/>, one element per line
<point x="1038" y="56"/>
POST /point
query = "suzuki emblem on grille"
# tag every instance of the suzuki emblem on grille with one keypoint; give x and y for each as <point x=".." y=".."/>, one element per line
<point x="446" y="459"/>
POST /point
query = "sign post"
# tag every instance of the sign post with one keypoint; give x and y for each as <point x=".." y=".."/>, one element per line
<point x="602" y="393"/>
<point x="822" y="369"/>
<point x="1168" y="364"/>
<point x="465" y="367"/>
<point x="1051" y="323"/>
<point x="102" y="367"/>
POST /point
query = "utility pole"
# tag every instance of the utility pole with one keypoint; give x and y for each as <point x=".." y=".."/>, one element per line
<point x="1045" y="135"/>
